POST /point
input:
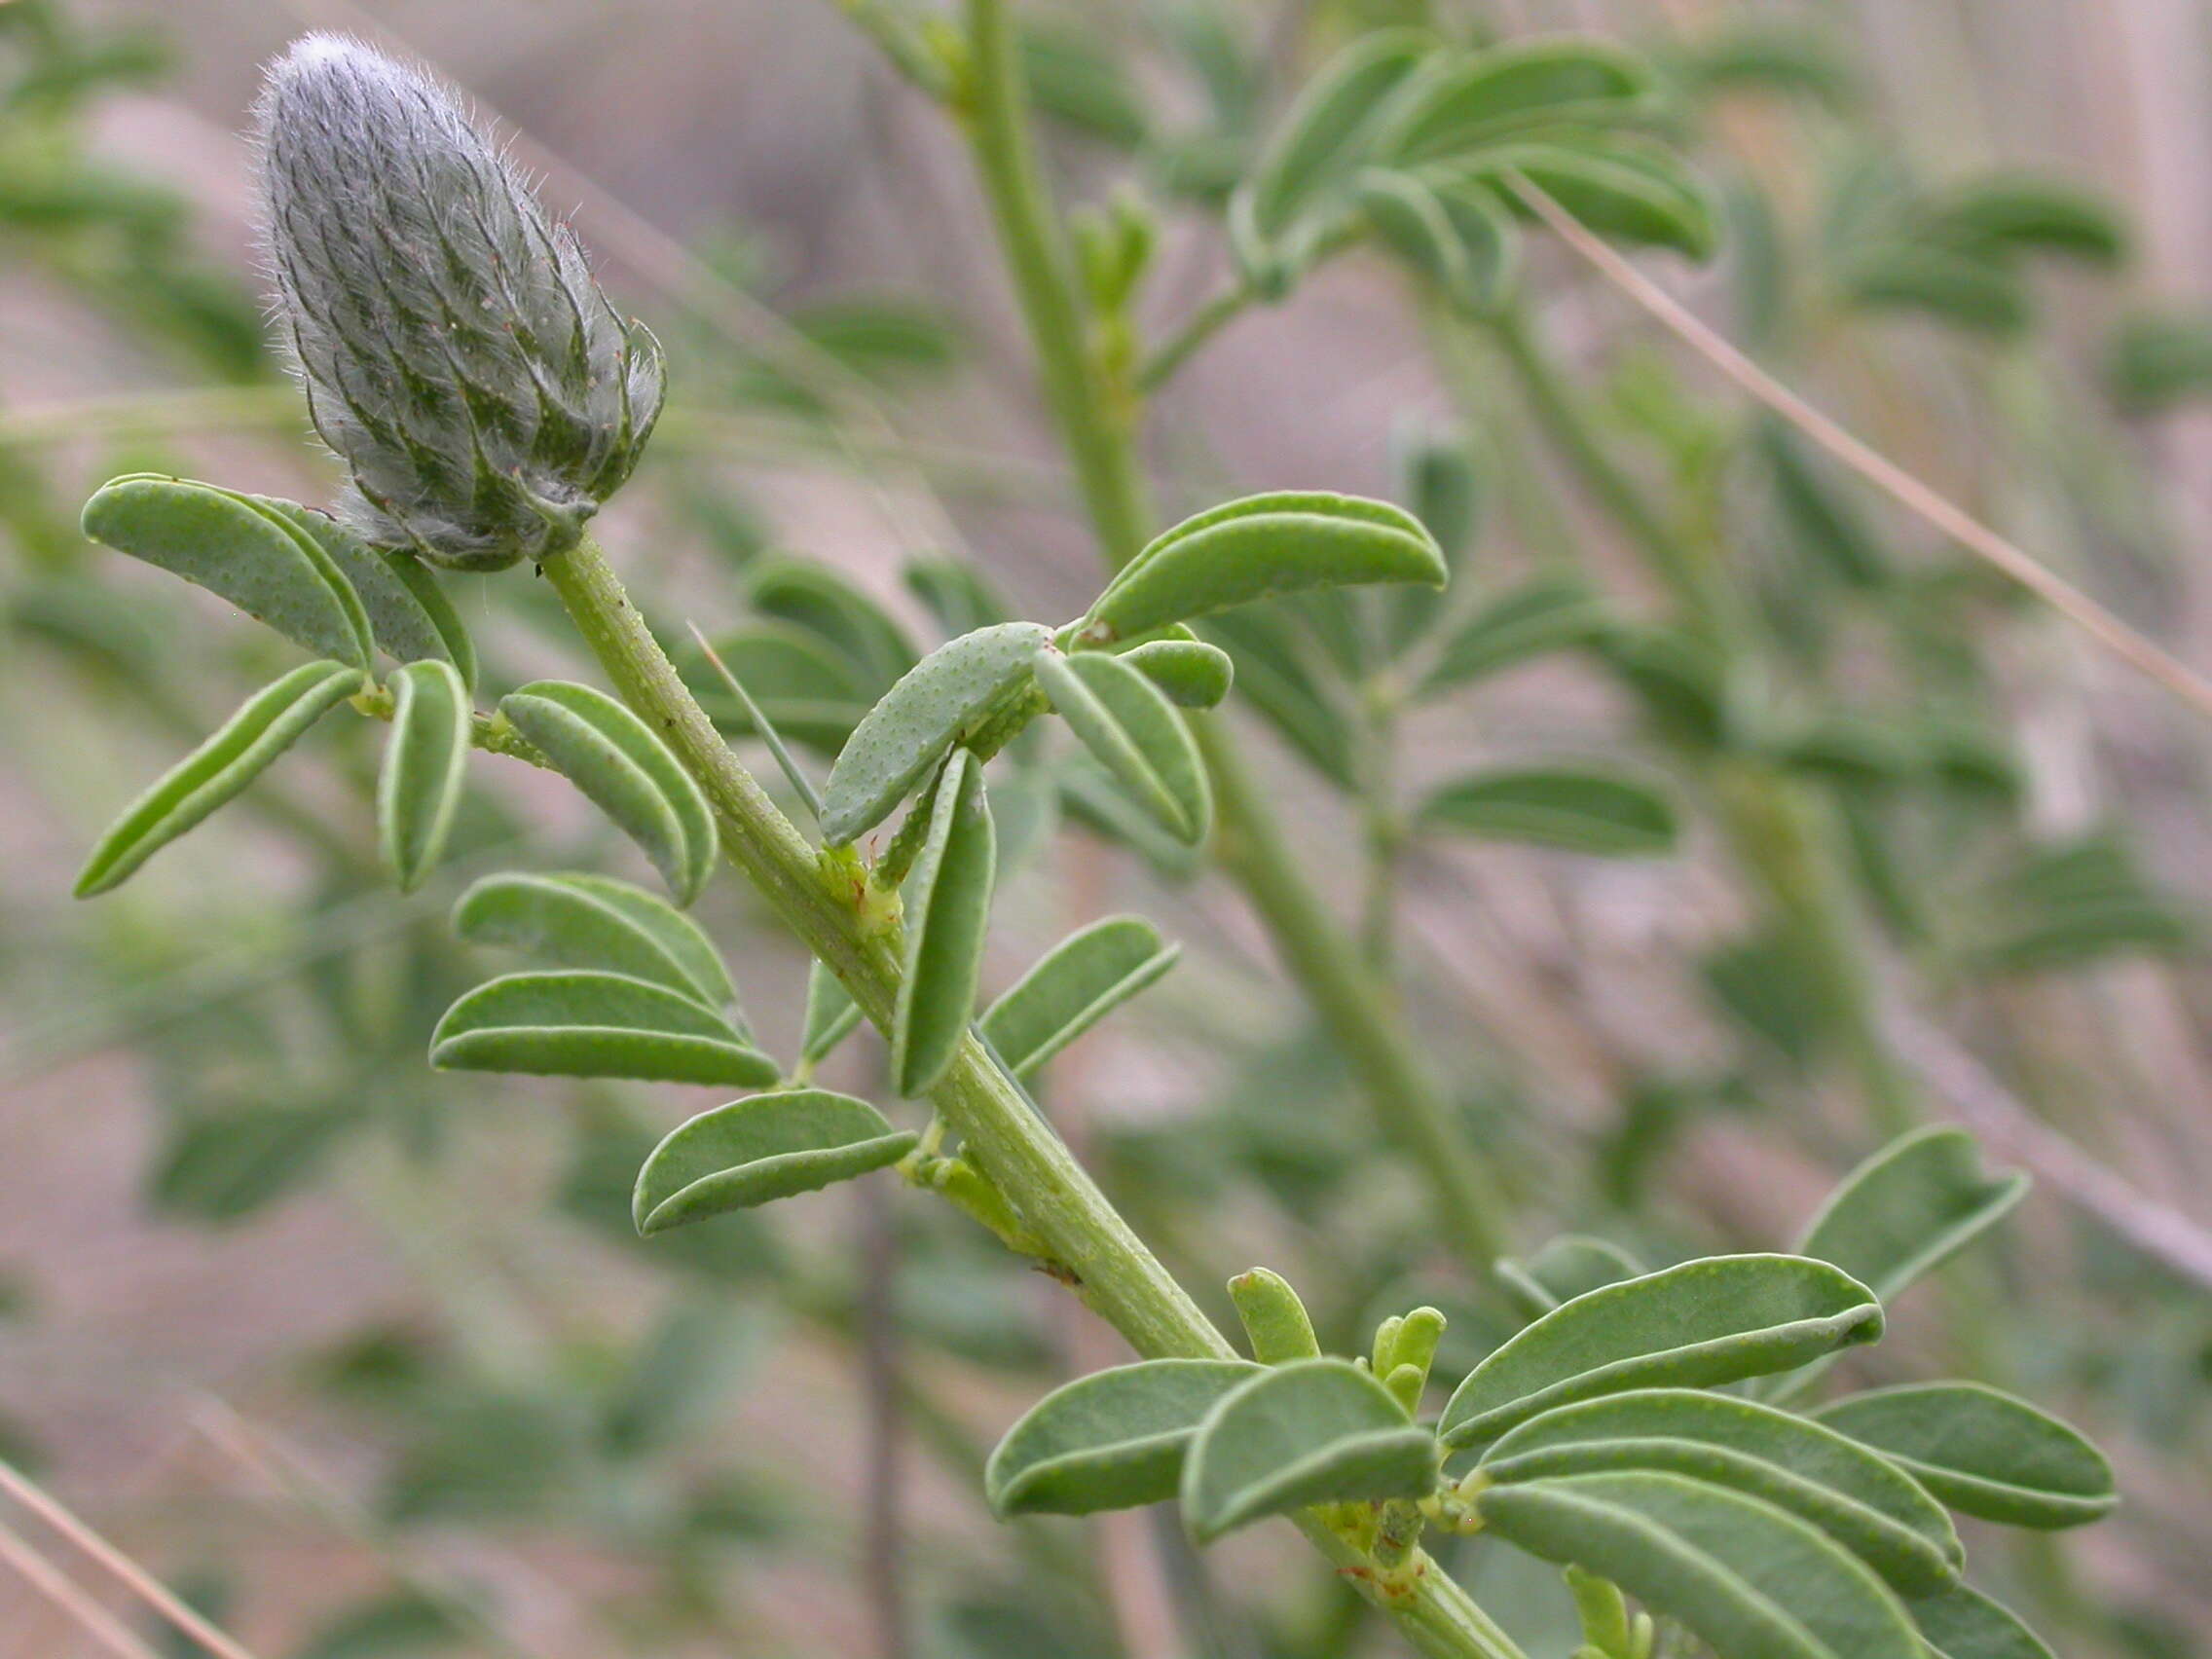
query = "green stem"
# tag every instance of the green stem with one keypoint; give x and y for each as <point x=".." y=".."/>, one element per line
<point x="1090" y="1246"/>
<point x="1097" y="422"/>
<point x="1202" y="325"/>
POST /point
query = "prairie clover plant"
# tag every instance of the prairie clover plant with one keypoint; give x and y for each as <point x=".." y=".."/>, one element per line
<point x="1657" y="1433"/>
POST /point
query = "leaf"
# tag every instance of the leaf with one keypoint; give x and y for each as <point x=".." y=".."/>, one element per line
<point x="1489" y="246"/>
<point x="1276" y="675"/>
<point x="1908" y="1208"/>
<point x="805" y="690"/>
<point x="1580" y="811"/>
<point x="1983" y="1452"/>
<point x="224" y="1166"/>
<point x="940" y="700"/>
<point x="823" y="603"/>
<point x="626" y="771"/>
<point x="1112" y="1440"/>
<point x="1962" y="1623"/>
<point x="1075" y="986"/>
<point x="2018" y="214"/>
<point x="1556" y="78"/>
<point x="1408" y="219"/>
<point x="1323" y="140"/>
<point x="766" y="1146"/>
<point x="1261" y="546"/>
<point x="2157" y="360"/>
<point x="409" y="617"/>
<point x="1311" y="1431"/>
<point x="953" y="592"/>
<point x="1820" y="518"/>
<point x="579" y="1024"/>
<point x="1953" y="285"/>
<point x="830" y="1016"/>
<point x="225" y="543"/>
<point x="949" y="909"/>
<point x="266" y="724"/>
<point x="1718" y="1319"/>
<point x="1624" y="191"/>
<point x="1563" y="1269"/>
<point x="1751" y="1581"/>
<point x="592" y="922"/>
<point x="426" y="761"/>
<point x="1550" y="613"/>
<point x="1189" y="673"/>
<point x="1856" y="1497"/>
<point x="1136" y="733"/>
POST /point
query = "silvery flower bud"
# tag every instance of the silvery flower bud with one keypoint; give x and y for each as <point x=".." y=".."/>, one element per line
<point x="455" y="349"/>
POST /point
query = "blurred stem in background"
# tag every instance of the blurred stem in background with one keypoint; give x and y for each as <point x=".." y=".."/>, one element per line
<point x="1097" y="420"/>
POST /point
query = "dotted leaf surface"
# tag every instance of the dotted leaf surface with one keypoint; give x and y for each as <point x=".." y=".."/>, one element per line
<point x="1983" y="1452"/>
<point x="590" y="921"/>
<point x="1112" y="1440"/>
<point x="767" y="1146"/>
<point x="574" y="1023"/>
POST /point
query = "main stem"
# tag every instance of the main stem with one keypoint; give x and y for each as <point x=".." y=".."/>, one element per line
<point x="1096" y="419"/>
<point x="1090" y="1246"/>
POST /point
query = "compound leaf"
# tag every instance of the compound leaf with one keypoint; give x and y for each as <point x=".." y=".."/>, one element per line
<point x="1718" y="1319"/>
<point x="1261" y="546"/>
<point x="936" y="702"/>
<point x="268" y="723"/>
<point x="626" y="771"/>
<point x="1073" y="986"/>
<point x="1855" y="1497"/>
<point x="949" y="909"/>
<point x="1134" y="732"/>
<point x="1112" y="1440"/>
<point x="426" y="761"/>
<point x="1311" y="1431"/>
<point x="579" y="1024"/>
<point x="1579" y="810"/>
<point x="766" y="1146"/>
<point x="1753" y="1581"/>
<point x="1983" y="1452"/>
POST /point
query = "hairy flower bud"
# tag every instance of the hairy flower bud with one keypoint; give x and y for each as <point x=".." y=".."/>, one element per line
<point x="455" y="349"/>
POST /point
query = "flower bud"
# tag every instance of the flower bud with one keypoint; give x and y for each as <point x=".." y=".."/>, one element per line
<point x="455" y="350"/>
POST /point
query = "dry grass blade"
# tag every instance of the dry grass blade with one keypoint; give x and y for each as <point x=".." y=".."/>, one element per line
<point x="58" y="1588"/>
<point x="142" y="1583"/>
<point x="1901" y="486"/>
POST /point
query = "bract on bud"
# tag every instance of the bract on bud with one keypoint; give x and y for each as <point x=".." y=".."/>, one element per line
<point x="455" y="349"/>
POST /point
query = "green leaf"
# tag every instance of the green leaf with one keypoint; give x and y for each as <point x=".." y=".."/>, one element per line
<point x="2156" y="360"/>
<point x="1112" y="1440"/>
<point x="766" y="1146"/>
<point x="1191" y="673"/>
<point x="1625" y="192"/>
<point x="952" y="592"/>
<point x="940" y="700"/>
<point x="1859" y="1498"/>
<point x="590" y="921"/>
<point x="1718" y="1319"/>
<point x="1962" y="1623"/>
<point x="268" y="723"/>
<point x="1311" y="1431"/>
<point x="1136" y="733"/>
<point x="1558" y="78"/>
<point x="409" y="617"/>
<point x="1278" y="673"/>
<point x="626" y="771"/>
<point x="1822" y="518"/>
<point x="807" y="690"/>
<point x="1280" y="214"/>
<point x="426" y="761"/>
<point x="1908" y="1208"/>
<point x="821" y="602"/>
<point x="1489" y="246"/>
<point x="2022" y="214"/>
<point x="948" y="910"/>
<point x="227" y="1165"/>
<point x="1983" y="1452"/>
<point x="1564" y="1269"/>
<point x="830" y="1016"/>
<point x="577" y="1024"/>
<point x="1957" y="286"/>
<point x="1582" y="811"/>
<point x="1550" y="613"/>
<point x="1748" y="1580"/>
<point x="1261" y="546"/>
<point x="238" y="551"/>
<point x="1408" y="219"/>
<point x="1073" y="986"/>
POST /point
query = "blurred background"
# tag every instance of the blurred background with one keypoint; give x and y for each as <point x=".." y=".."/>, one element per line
<point x="366" y="1361"/>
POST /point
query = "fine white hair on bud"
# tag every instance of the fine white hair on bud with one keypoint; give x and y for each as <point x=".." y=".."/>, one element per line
<point x="455" y="349"/>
